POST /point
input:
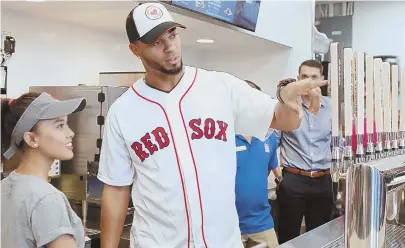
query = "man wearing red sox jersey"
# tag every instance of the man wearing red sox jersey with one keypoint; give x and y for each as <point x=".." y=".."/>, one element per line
<point x="172" y="137"/>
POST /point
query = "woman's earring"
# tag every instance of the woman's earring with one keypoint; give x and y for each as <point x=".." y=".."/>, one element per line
<point x="35" y="145"/>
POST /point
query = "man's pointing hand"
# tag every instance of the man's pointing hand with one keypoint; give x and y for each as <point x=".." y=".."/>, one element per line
<point x="292" y="92"/>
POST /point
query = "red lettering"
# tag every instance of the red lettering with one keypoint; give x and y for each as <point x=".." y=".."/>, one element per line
<point x="195" y="126"/>
<point x="161" y="137"/>
<point x="138" y="148"/>
<point x="148" y="144"/>
<point x="222" y="131"/>
<point x="209" y="128"/>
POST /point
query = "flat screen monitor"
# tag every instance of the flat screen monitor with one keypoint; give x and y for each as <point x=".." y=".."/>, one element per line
<point x="242" y="14"/>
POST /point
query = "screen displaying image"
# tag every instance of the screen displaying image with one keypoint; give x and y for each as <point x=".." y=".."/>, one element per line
<point x="239" y="13"/>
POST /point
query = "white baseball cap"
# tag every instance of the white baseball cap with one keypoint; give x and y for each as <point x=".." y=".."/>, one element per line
<point x="148" y="22"/>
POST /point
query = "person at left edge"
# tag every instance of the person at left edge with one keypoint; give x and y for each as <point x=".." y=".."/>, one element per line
<point x="33" y="212"/>
<point x="172" y="137"/>
<point x="255" y="160"/>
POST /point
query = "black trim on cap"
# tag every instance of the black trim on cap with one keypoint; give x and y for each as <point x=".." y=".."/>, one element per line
<point x="132" y="31"/>
<point x="154" y="34"/>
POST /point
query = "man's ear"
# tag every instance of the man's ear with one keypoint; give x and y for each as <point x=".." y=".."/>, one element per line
<point x="134" y="49"/>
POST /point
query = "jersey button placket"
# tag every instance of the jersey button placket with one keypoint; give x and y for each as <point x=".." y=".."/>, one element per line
<point x="187" y="167"/>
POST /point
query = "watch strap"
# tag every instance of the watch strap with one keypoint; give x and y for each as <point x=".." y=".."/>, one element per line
<point x="281" y="85"/>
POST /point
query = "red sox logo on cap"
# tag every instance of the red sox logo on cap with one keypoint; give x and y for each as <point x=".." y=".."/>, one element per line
<point x="153" y="12"/>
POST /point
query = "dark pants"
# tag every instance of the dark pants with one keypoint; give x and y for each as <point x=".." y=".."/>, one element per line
<point x="300" y="196"/>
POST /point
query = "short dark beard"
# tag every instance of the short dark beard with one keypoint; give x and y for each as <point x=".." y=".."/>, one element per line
<point x="174" y="71"/>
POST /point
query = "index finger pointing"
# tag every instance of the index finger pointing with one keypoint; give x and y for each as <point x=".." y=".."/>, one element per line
<point x="316" y="84"/>
<point x="303" y="87"/>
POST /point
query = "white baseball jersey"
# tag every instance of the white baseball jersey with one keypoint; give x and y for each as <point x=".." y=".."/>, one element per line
<point x="178" y="150"/>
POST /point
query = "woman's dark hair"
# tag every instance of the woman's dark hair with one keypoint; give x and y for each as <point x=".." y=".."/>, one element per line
<point x="11" y="111"/>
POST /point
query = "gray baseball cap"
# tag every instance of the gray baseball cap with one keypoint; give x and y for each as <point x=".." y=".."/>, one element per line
<point x="44" y="107"/>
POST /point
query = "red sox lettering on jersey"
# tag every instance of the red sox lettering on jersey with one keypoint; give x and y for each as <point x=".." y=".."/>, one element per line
<point x="209" y="129"/>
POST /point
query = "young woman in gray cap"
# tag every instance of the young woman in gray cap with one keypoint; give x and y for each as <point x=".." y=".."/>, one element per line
<point x="34" y="213"/>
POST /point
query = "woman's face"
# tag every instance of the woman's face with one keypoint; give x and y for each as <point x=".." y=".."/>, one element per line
<point x="54" y="138"/>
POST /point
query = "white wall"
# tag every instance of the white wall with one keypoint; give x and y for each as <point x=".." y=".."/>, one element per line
<point x="289" y="23"/>
<point x="265" y="68"/>
<point x="58" y="54"/>
<point x="379" y="28"/>
<point x="286" y="22"/>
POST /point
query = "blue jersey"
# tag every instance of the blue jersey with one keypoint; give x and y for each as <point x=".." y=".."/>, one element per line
<point x="253" y="164"/>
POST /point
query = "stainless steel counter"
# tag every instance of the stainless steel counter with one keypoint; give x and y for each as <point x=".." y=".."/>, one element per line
<point x="319" y="237"/>
<point x="331" y="235"/>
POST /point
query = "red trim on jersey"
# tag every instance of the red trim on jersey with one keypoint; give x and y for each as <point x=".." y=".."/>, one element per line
<point x="192" y="155"/>
<point x="177" y="158"/>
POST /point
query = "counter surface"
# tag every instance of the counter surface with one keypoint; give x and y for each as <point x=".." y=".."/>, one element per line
<point x="331" y="235"/>
<point x="319" y="237"/>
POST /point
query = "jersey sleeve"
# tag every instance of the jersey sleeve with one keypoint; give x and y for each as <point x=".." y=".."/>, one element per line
<point x="253" y="109"/>
<point x="50" y="219"/>
<point x="115" y="167"/>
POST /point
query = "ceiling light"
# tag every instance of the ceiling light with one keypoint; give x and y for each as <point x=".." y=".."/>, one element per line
<point x="205" y="41"/>
<point x="35" y="1"/>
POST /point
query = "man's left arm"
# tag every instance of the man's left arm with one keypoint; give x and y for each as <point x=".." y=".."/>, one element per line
<point x="256" y="112"/>
<point x="285" y="118"/>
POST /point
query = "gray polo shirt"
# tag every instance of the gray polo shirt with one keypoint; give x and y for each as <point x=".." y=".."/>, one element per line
<point x="34" y="213"/>
<point x="309" y="146"/>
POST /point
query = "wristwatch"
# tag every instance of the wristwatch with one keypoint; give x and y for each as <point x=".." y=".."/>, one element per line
<point x="281" y="85"/>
